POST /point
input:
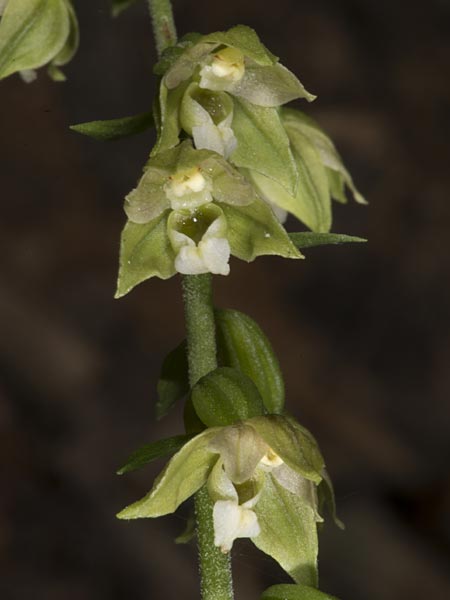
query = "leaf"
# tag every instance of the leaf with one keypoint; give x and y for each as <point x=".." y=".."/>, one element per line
<point x="72" y="42"/>
<point x="253" y="230"/>
<point x="115" y="129"/>
<point x="263" y="144"/>
<point x="184" y="475"/>
<point x="293" y="443"/>
<point x="290" y="591"/>
<point x="118" y="6"/>
<point x="270" y="86"/>
<point x="244" y="39"/>
<point x="243" y="345"/>
<point x="288" y="531"/>
<point x="145" y="252"/>
<point x="189" y="531"/>
<point x="32" y="33"/>
<point x="150" y="452"/>
<point x="173" y="382"/>
<point x="225" y="396"/>
<point x="309" y="240"/>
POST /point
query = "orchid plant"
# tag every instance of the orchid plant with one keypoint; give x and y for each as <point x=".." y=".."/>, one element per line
<point x="229" y="163"/>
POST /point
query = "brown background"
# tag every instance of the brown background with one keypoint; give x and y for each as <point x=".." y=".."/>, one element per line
<point x="362" y="333"/>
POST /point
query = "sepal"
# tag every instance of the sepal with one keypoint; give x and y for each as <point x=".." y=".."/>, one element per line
<point x="307" y="239"/>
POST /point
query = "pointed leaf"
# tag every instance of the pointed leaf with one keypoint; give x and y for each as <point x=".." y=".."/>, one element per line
<point x="309" y="240"/>
<point x="288" y="531"/>
<point x="115" y="129"/>
<point x="118" y="6"/>
<point x="146" y="454"/>
<point x="169" y="114"/>
<point x="225" y="396"/>
<point x="263" y="144"/>
<point x="291" y="591"/>
<point x="293" y="443"/>
<point x="72" y="42"/>
<point x="243" y="345"/>
<point x="145" y="252"/>
<point x="173" y="383"/>
<point x="253" y="230"/>
<point x="32" y="32"/>
<point x="185" y="474"/>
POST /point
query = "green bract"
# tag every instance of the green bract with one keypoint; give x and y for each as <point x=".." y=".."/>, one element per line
<point x="224" y="90"/>
<point x="190" y="210"/>
<point x="34" y="33"/>
<point x="261" y="475"/>
<point x="322" y="175"/>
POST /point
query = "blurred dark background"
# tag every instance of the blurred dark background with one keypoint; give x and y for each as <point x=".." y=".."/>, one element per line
<point x="361" y="332"/>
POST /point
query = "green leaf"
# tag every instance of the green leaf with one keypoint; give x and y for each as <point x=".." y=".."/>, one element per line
<point x="244" y="39"/>
<point x="115" y="129"/>
<point x="189" y="531"/>
<point x="173" y="383"/>
<point x="72" y="42"/>
<point x="263" y="144"/>
<point x="243" y="346"/>
<point x="150" y="452"/>
<point x="118" y="6"/>
<point x="293" y="443"/>
<point x="288" y="531"/>
<point x="253" y="231"/>
<point x="145" y="251"/>
<point x="225" y="396"/>
<point x="290" y="591"/>
<point x="184" y="475"/>
<point x="32" y="33"/>
<point x="309" y="240"/>
<point x="326" y="497"/>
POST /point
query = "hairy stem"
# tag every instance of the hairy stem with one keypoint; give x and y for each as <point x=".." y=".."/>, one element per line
<point x="163" y="24"/>
<point x="215" y="567"/>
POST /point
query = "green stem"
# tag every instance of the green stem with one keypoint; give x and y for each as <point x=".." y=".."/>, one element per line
<point x="215" y="567"/>
<point x="163" y="24"/>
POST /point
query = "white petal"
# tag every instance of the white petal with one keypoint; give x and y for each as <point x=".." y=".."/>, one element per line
<point x="190" y="262"/>
<point x="28" y="75"/>
<point x="215" y="253"/>
<point x="232" y="521"/>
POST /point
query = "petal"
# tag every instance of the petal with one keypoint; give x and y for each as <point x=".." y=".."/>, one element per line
<point x="190" y="262"/>
<point x="232" y="521"/>
<point x="220" y="486"/>
<point x="215" y="253"/>
<point x="241" y="449"/>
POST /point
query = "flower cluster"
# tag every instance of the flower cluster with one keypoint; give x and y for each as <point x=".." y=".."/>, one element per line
<point x="229" y="163"/>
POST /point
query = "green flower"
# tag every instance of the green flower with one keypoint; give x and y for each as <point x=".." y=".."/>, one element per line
<point x="261" y="475"/>
<point x="322" y="175"/>
<point x="34" y="33"/>
<point x="190" y="210"/>
<point x="224" y="90"/>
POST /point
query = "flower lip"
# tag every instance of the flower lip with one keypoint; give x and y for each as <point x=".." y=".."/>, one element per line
<point x="224" y="68"/>
<point x="188" y="189"/>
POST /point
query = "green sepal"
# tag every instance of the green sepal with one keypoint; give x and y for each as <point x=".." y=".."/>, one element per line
<point x="72" y="42"/>
<point x="146" y="454"/>
<point x="263" y="144"/>
<point x="293" y="443"/>
<point x="145" y="251"/>
<point x="184" y="475"/>
<point x="291" y="591"/>
<point x="118" y="6"/>
<point x="171" y="54"/>
<point x="169" y="117"/>
<point x="326" y="497"/>
<point x="115" y="129"/>
<point x="246" y="40"/>
<point x="32" y="33"/>
<point x="253" y="230"/>
<point x="298" y="123"/>
<point x="173" y="382"/>
<point x="288" y="531"/>
<point x="242" y="344"/>
<point x="310" y="240"/>
<point x="189" y="531"/>
<point x="225" y="396"/>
